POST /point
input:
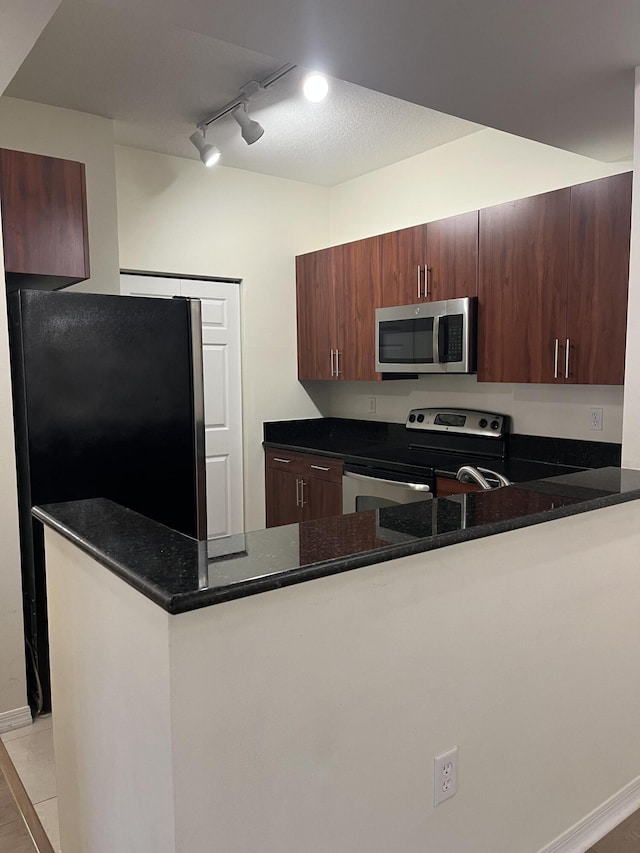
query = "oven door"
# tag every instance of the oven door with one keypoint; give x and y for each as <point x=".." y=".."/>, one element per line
<point x="366" y="488"/>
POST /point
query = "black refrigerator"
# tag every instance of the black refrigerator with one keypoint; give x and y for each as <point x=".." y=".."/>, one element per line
<point x="108" y="402"/>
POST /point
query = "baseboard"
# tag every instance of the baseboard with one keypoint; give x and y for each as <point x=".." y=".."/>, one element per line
<point x="601" y="821"/>
<point x="15" y="719"/>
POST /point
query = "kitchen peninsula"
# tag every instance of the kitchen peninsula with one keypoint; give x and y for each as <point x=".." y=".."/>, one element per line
<point x="238" y="713"/>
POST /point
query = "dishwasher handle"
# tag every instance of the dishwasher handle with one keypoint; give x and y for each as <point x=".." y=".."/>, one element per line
<point x="418" y="487"/>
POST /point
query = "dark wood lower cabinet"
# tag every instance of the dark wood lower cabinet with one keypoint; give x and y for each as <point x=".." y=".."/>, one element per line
<point x="282" y="490"/>
<point x="301" y="487"/>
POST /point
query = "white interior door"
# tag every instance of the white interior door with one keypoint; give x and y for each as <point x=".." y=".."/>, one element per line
<point x="221" y="358"/>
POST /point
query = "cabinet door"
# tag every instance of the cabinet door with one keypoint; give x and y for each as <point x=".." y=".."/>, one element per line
<point x="44" y="216"/>
<point x="282" y="492"/>
<point x="357" y="289"/>
<point x="522" y="288"/>
<point x="320" y="498"/>
<point x="403" y="260"/>
<point x="452" y="253"/>
<point x="598" y="280"/>
<point x="317" y="338"/>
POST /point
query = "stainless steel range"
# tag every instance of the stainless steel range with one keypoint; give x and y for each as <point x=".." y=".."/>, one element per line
<point x="463" y="443"/>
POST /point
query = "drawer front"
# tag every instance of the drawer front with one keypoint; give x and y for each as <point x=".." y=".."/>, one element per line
<point x="283" y="460"/>
<point x="322" y="467"/>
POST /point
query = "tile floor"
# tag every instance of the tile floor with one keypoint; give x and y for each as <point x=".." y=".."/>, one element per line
<point x="31" y="751"/>
<point x="14" y="837"/>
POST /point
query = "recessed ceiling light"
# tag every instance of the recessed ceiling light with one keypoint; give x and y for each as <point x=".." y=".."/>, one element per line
<point x="315" y="88"/>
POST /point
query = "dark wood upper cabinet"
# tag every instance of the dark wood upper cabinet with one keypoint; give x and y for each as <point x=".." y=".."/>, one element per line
<point x="44" y="220"/>
<point x="551" y="274"/>
<point x="522" y="289"/>
<point x="430" y="262"/>
<point x="403" y="260"/>
<point x="598" y="281"/>
<point x="452" y="252"/>
<point x="337" y="293"/>
<point x="357" y="289"/>
<point x="316" y="307"/>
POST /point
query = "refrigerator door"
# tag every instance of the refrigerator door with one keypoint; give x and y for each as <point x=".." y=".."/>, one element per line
<point x="108" y="402"/>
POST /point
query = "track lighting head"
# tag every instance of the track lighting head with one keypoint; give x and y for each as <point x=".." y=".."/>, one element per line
<point x="251" y="130"/>
<point x="209" y="154"/>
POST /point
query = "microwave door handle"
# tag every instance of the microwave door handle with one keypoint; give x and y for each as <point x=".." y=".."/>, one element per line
<point x="436" y="339"/>
<point x="418" y="487"/>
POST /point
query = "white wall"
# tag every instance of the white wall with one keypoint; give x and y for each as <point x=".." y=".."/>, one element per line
<point x="631" y="432"/>
<point x="120" y="685"/>
<point x="13" y="695"/>
<point x="176" y="216"/>
<point x="504" y="646"/>
<point x="485" y="168"/>
<point x="534" y="409"/>
<point x="307" y="718"/>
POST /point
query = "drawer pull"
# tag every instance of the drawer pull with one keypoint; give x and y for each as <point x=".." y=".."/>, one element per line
<point x="319" y="468"/>
<point x="278" y="459"/>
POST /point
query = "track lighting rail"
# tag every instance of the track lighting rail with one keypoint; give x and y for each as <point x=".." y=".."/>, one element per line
<point x="246" y="92"/>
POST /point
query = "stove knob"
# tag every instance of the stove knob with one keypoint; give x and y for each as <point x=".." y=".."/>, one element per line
<point x="495" y="425"/>
<point x="420" y="418"/>
<point x="483" y="423"/>
<point x="412" y="418"/>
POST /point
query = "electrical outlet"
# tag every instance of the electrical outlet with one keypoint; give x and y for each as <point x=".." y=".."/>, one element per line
<point x="445" y="775"/>
<point x="372" y="405"/>
<point x="595" y="419"/>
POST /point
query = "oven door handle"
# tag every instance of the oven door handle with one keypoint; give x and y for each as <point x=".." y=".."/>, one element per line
<point x="418" y="487"/>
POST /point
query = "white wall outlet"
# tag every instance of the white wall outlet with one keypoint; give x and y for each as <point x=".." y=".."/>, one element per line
<point x="595" y="418"/>
<point x="372" y="405"/>
<point x="445" y="775"/>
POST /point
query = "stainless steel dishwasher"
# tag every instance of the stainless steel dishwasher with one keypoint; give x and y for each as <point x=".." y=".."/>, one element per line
<point x="365" y="487"/>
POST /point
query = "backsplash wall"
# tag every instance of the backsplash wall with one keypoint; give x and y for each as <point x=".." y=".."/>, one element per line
<point x="557" y="410"/>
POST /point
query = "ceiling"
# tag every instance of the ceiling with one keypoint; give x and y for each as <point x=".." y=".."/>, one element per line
<point x="558" y="72"/>
<point x="157" y="80"/>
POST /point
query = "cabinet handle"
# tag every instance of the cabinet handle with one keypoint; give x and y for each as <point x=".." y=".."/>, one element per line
<point x="555" y="361"/>
<point x="332" y="368"/>
<point x="302" y="485"/>
<point x="566" y="361"/>
<point x="338" y="362"/>
<point x="278" y="459"/>
<point x="319" y="468"/>
<point x="418" y="281"/>
<point x="426" y="281"/>
<point x="297" y="492"/>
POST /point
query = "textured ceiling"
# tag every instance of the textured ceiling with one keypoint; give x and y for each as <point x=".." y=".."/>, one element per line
<point x="157" y="80"/>
<point x="558" y="71"/>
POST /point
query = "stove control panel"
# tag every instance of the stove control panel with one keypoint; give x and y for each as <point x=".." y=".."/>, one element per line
<point x="464" y="421"/>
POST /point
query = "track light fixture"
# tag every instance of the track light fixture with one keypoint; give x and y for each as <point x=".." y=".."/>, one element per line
<point x="209" y="154"/>
<point x="251" y="130"/>
<point x="316" y="88"/>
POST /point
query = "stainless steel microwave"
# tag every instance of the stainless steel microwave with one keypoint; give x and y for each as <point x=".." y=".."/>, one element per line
<point x="431" y="337"/>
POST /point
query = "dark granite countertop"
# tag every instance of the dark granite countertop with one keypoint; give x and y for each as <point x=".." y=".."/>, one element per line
<point x="361" y="442"/>
<point x="181" y="574"/>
